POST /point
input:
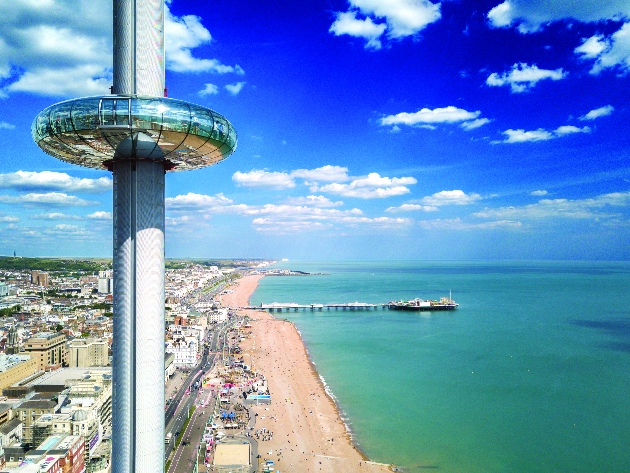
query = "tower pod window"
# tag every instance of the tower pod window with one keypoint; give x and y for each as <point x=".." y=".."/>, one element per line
<point x="114" y="113"/>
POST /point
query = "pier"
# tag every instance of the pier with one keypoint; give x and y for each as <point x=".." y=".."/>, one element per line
<point x="294" y="307"/>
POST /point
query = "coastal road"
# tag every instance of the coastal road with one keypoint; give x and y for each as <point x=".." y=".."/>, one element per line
<point x="182" y="403"/>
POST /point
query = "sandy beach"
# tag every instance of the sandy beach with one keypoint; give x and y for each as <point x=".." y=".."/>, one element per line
<point x="308" y="433"/>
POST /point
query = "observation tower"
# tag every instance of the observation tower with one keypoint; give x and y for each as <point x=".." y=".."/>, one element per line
<point x="138" y="134"/>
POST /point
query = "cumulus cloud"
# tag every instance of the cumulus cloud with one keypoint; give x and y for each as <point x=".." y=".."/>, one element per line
<point x="570" y="129"/>
<point x="263" y="179"/>
<point x="286" y="180"/>
<point x="523" y="77"/>
<point x="522" y="136"/>
<point x="297" y="220"/>
<point x="50" y="180"/>
<point x="411" y="208"/>
<point x="475" y="123"/>
<point x="400" y="18"/>
<point x="55" y="216"/>
<point x="590" y="208"/>
<point x="454" y="197"/>
<point x="348" y="23"/>
<point x="538" y="192"/>
<point x="42" y="43"/>
<point x="325" y="173"/>
<point x="193" y="201"/>
<point x="235" y="88"/>
<point x="426" y="117"/>
<point x="50" y="198"/>
<point x="209" y="89"/>
<point x="371" y="187"/>
<point x="6" y="126"/>
<point x="313" y="201"/>
<point x="100" y="215"/>
<point x="598" y="112"/>
<point x="297" y="214"/>
<point x="611" y="52"/>
<point x="182" y="34"/>
<point x="459" y="224"/>
<point x="531" y="15"/>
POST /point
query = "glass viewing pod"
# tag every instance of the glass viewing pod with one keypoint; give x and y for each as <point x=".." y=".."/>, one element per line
<point x="89" y="132"/>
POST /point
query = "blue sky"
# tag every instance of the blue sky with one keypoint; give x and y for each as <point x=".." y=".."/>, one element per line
<point x="368" y="129"/>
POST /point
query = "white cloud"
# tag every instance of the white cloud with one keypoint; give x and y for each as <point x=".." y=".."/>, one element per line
<point x="475" y="123"/>
<point x="448" y="114"/>
<point x="6" y="126"/>
<point x="522" y="136"/>
<point x="263" y="179"/>
<point x="192" y="201"/>
<point x="235" y="88"/>
<point x="300" y="221"/>
<point x="459" y="224"/>
<point x="454" y="197"/>
<point x="313" y="201"/>
<point x="523" y="77"/>
<point x="598" y="112"/>
<point x="100" y="215"/>
<point x="531" y="15"/>
<point x="43" y="43"/>
<point x="209" y="89"/>
<point x="56" y="216"/>
<point x="412" y="207"/>
<point x="371" y="187"/>
<point x="182" y="34"/>
<point x="325" y="173"/>
<point x="51" y="198"/>
<point x="87" y="79"/>
<point x="538" y="193"/>
<point x="9" y="219"/>
<point x="347" y="23"/>
<point x="561" y="208"/>
<point x="402" y="18"/>
<point x="50" y="180"/>
<point x="570" y="129"/>
<point x="609" y="52"/>
<point x="591" y="47"/>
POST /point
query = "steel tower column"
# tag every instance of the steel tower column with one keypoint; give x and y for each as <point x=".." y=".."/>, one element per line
<point x="138" y="355"/>
<point x="138" y="134"/>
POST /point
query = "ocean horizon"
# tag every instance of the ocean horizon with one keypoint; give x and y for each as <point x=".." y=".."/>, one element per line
<point x="531" y="373"/>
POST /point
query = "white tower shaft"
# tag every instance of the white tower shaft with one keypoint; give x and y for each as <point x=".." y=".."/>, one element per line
<point x="138" y="354"/>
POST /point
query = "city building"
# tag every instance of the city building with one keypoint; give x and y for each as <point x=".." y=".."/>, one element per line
<point x="217" y="316"/>
<point x="86" y="352"/>
<point x="48" y="348"/>
<point x="169" y="366"/>
<point x="13" y="345"/>
<point x="29" y="411"/>
<point x="56" y="454"/>
<point x="14" y="368"/>
<point x="40" y="278"/>
<point x="105" y="285"/>
<point x="11" y="432"/>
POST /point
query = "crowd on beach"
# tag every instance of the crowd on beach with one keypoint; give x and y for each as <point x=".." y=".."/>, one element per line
<point x="308" y="433"/>
<point x="263" y="434"/>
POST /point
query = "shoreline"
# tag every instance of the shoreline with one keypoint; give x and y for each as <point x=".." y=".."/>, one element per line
<point x="308" y="394"/>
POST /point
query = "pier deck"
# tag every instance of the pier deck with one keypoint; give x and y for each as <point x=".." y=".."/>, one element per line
<point x="289" y="306"/>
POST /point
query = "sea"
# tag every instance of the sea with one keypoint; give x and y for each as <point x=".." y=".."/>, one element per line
<point x="530" y="374"/>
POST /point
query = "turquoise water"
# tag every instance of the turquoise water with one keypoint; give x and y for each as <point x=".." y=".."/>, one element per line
<point x="530" y="374"/>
